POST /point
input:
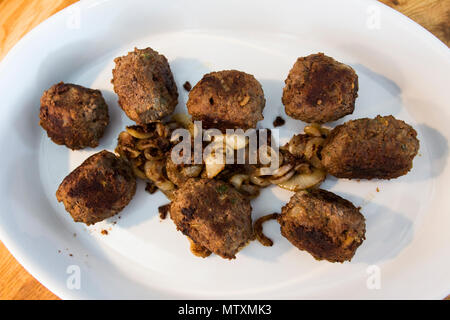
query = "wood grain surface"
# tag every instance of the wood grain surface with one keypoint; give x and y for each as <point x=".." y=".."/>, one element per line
<point x="17" y="17"/>
<point x="434" y="15"/>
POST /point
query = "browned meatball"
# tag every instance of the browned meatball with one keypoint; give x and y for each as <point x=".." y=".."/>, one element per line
<point x="382" y="148"/>
<point x="214" y="215"/>
<point x="323" y="224"/>
<point x="145" y="85"/>
<point x="227" y="99"/>
<point x="73" y="115"/>
<point x="98" y="189"/>
<point x="320" y="89"/>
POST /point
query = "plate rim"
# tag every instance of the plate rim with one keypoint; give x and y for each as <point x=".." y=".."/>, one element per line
<point x="19" y="252"/>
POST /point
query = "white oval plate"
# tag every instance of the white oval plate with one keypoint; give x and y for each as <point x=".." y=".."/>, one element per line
<point x="403" y="70"/>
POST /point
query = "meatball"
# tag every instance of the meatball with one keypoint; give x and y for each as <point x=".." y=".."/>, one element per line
<point x="382" y="148"/>
<point x="214" y="215"/>
<point x="319" y="89"/>
<point x="73" y="115"/>
<point x="227" y="99"/>
<point x="323" y="224"/>
<point x="98" y="189"/>
<point x="145" y="85"/>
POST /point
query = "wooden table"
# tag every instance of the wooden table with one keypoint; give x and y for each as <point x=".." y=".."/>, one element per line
<point x="20" y="16"/>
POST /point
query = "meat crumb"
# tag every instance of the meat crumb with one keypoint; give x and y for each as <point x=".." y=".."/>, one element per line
<point x="163" y="210"/>
<point x="278" y="122"/>
<point x="151" y="188"/>
<point x="187" y="86"/>
<point x="104" y="232"/>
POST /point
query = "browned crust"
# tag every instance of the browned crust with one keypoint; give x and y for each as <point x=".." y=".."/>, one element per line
<point x="382" y="148"/>
<point x="323" y="224"/>
<point x="228" y="99"/>
<point x="214" y="215"/>
<point x="98" y="189"/>
<point x="320" y="89"/>
<point x="145" y="85"/>
<point x="73" y="115"/>
<point x="199" y="250"/>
